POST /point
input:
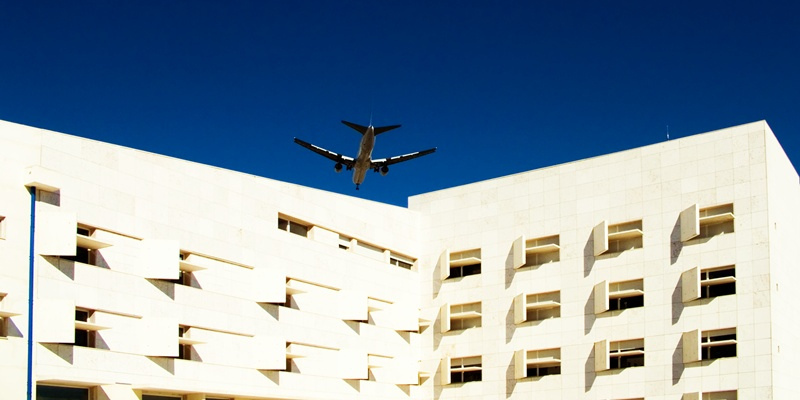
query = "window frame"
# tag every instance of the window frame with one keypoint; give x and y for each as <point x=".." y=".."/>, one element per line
<point x="462" y="370"/>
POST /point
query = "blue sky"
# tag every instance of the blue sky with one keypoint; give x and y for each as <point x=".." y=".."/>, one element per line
<point x="499" y="87"/>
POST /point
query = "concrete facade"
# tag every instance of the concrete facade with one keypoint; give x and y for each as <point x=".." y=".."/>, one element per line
<point x="662" y="272"/>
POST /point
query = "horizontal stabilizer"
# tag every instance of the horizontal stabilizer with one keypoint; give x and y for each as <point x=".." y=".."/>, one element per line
<point x="363" y="129"/>
<point x="382" y="129"/>
<point x="360" y="128"/>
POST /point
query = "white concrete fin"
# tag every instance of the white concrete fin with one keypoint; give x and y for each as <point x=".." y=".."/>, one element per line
<point x="600" y="235"/>
<point x="56" y="232"/>
<point x="55" y="320"/>
<point x="159" y="259"/>
<point x="690" y="285"/>
<point x="690" y="222"/>
<point x="518" y="250"/>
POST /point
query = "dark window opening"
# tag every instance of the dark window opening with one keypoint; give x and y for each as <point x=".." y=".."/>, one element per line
<point x="544" y="371"/>
<point x="465" y="376"/>
<point x="625" y="303"/>
<point x="157" y="397"/>
<point x="466" y="270"/>
<point x="712" y="349"/>
<point x="711" y="289"/>
<point x="82" y="254"/>
<point x="61" y="393"/>
<point x="627" y="361"/>
<point x="184" y="278"/>
<point x="83" y="337"/>
<point x="718" y="290"/>
<point x="711" y="353"/>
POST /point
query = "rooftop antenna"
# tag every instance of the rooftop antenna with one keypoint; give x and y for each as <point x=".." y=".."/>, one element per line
<point x="667" y="132"/>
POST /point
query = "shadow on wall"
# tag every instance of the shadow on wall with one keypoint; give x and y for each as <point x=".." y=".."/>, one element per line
<point x="436" y="281"/>
<point x="675" y="242"/>
<point x="273" y="376"/>
<point x="166" y="363"/>
<point x="168" y="288"/>
<point x="12" y="330"/>
<point x="677" y="362"/>
<point x="588" y="314"/>
<point x="65" y="352"/>
<point x="509" y="270"/>
<point x="67" y="267"/>
<point x="588" y="255"/>
<point x="589" y="371"/>
<point x="272" y="309"/>
<point x="437" y="329"/>
<point x="511" y="326"/>
<point x="677" y="302"/>
<point x="511" y="381"/>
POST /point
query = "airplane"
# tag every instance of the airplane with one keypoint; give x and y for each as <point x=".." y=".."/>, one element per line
<point x="363" y="160"/>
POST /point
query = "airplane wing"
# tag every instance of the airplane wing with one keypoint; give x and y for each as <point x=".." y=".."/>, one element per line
<point x="347" y="161"/>
<point x="382" y="162"/>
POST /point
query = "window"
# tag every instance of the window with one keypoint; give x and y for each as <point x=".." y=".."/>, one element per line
<point x="625" y="236"/>
<point x="87" y="246"/>
<point x="61" y="393"/>
<point x="709" y="345"/>
<point x="5" y="314"/>
<point x="537" y="363"/>
<point x="618" y="295"/>
<point x="2" y="227"/>
<point x="537" y="307"/>
<point x="718" y="282"/>
<point x="160" y="397"/>
<point x="617" y="238"/>
<point x="727" y="395"/>
<point x="623" y="295"/>
<point x="187" y="268"/>
<point x="465" y="263"/>
<point x="724" y="395"/>
<point x="461" y="316"/>
<point x="84" y="336"/>
<point x="293" y="226"/>
<point x="625" y="354"/>
<point x="706" y="222"/>
<point x="400" y="261"/>
<point x="344" y="242"/>
<point x="466" y="369"/>
<point x="718" y="344"/>
<point x="538" y="251"/>
<point x="708" y="283"/>
<point x="715" y="220"/>
<point x="618" y="355"/>
<point x="185" y="343"/>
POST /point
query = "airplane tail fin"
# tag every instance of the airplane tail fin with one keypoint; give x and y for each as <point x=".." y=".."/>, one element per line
<point x="363" y="129"/>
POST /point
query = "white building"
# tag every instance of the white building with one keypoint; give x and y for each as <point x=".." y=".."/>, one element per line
<point x="662" y="272"/>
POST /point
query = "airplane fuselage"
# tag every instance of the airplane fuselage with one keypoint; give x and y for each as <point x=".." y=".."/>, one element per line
<point x="363" y="161"/>
<point x="364" y="158"/>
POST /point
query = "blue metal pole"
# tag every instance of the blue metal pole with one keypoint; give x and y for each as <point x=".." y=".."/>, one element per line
<point x="30" y="292"/>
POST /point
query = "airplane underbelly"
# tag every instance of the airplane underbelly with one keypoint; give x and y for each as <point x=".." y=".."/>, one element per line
<point x="359" y="174"/>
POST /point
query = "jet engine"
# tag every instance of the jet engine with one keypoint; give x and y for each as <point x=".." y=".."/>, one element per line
<point x="384" y="170"/>
<point x="337" y="167"/>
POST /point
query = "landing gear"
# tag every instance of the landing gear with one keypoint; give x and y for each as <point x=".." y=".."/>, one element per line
<point x="356" y="186"/>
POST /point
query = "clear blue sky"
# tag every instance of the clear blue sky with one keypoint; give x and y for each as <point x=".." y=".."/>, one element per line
<point x="499" y="87"/>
